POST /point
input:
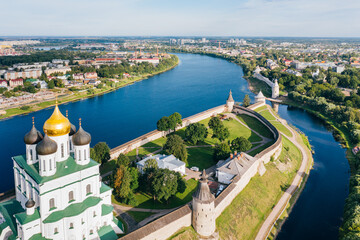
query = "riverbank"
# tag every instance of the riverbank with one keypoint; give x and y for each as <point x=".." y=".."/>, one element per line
<point x="79" y="95"/>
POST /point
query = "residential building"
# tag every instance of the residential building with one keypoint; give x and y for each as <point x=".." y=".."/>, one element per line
<point x="16" y="82"/>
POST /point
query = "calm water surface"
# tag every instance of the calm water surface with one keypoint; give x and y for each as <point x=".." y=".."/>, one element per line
<point x="318" y="212"/>
<point x="196" y="84"/>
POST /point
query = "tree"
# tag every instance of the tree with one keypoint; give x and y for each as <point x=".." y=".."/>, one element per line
<point x="122" y="181"/>
<point x="163" y="124"/>
<point x="221" y="151"/>
<point x="215" y="123"/>
<point x="246" y="101"/>
<point x="123" y="160"/>
<point x="164" y="184"/>
<point x="176" y="118"/>
<point x="221" y="133"/>
<point x="134" y="172"/>
<point x="102" y="152"/>
<point x="51" y="84"/>
<point x="150" y="165"/>
<point x="196" y="132"/>
<point x="175" y="145"/>
<point x="241" y="144"/>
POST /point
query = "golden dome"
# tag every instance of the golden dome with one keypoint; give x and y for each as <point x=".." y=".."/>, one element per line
<point x="57" y="124"/>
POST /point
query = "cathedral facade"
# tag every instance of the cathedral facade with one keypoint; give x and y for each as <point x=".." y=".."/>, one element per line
<point x="59" y="192"/>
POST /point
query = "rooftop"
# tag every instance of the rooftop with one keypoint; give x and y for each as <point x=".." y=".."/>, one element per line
<point x="72" y="210"/>
<point x="63" y="168"/>
<point x="237" y="165"/>
<point x="164" y="161"/>
<point x="8" y="209"/>
<point x="107" y="233"/>
<point x="23" y="218"/>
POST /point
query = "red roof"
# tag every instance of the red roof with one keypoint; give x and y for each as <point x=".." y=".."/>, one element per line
<point x="16" y="80"/>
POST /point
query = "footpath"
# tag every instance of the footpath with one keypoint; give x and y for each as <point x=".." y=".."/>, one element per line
<point x="284" y="200"/>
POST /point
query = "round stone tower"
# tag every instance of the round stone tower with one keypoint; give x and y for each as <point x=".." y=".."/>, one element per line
<point x="275" y="89"/>
<point x="230" y="102"/>
<point x="203" y="204"/>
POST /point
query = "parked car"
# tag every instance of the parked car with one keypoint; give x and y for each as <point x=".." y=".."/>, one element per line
<point x="196" y="169"/>
<point x="220" y="189"/>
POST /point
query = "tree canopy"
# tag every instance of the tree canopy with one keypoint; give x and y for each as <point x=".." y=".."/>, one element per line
<point x="196" y="132"/>
<point x="101" y="152"/>
<point x="240" y="144"/>
<point x="175" y="145"/>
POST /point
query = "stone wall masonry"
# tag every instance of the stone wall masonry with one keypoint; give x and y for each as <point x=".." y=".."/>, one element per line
<point x="264" y="79"/>
<point x="153" y="135"/>
<point x="164" y="227"/>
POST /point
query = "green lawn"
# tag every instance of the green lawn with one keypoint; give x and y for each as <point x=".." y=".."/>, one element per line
<point x="266" y="114"/>
<point x="156" y="143"/>
<point x="139" y="216"/>
<point x="282" y="128"/>
<point x="200" y="157"/>
<point x="255" y="125"/>
<point x="146" y="201"/>
<point x="261" y="108"/>
<point x="244" y="216"/>
<point x="256" y="151"/>
<point x="186" y="233"/>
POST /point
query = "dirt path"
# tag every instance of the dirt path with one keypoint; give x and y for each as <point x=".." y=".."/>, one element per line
<point x="282" y="203"/>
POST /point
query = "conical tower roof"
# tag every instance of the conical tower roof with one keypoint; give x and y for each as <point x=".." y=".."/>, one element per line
<point x="203" y="194"/>
<point x="260" y="95"/>
<point x="230" y="98"/>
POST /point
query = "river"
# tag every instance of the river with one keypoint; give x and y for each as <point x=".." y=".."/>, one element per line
<point x="318" y="212"/>
<point x="196" y="84"/>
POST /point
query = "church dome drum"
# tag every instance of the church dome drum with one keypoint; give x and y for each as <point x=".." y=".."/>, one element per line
<point x="46" y="146"/>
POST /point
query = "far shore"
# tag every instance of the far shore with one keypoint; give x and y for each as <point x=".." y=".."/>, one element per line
<point x="34" y="107"/>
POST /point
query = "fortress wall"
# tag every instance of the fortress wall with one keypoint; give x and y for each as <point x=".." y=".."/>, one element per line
<point x="164" y="227"/>
<point x="153" y="135"/>
<point x="238" y="184"/>
<point x="264" y="79"/>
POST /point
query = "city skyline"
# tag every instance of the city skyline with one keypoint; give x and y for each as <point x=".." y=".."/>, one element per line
<point x="251" y="18"/>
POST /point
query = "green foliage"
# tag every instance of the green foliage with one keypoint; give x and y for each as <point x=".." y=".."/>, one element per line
<point x="102" y="152"/>
<point x="196" y="132"/>
<point x="221" y="133"/>
<point x="241" y="144"/>
<point x="164" y="184"/>
<point x="175" y="145"/>
<point x="150" y="165"/>
<point x="215" y="123"/>
<point x="123" y="160"/>
<point x="25" y="107"/>
<point x="163" y="124"/>
<point x="51" y="84"/>
<point x="246" y="101"/>
<point x="222" y="151"/>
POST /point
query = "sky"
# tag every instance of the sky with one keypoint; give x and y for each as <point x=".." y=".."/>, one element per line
<point x="247" y="18"/>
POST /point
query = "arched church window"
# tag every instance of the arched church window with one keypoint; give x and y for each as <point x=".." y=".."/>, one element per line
<point x="71" y="196"/>
<point x="62" y="150"/>
<point x="44" y="166"/>
<point x="84" y="154"/>
<point x="31" y="155"/>
<point x="50" y="165"/>
<point x="51" y="203"/>
<point x="71" y="225"/>
<point x="79" y="155"/>
<point x="88" y="189"/>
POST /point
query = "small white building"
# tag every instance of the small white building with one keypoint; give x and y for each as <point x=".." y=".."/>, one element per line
<point x="165" y="162"/>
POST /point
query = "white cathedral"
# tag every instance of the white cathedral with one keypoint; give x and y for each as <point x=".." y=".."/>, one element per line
<point x="59" y="192"/>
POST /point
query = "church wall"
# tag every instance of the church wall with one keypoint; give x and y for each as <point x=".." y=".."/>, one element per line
<point x="66" y="184"/>
<point x="62" y="140"/>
